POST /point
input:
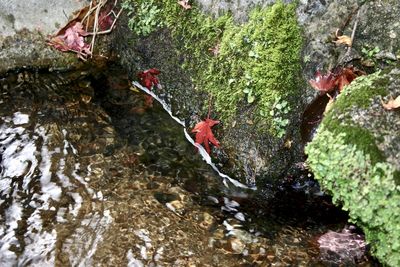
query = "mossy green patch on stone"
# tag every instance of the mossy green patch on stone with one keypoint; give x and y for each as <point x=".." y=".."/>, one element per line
<point x="255" y="64"/>
<point x="362" y="91"/>
<point x="360" y="137"/>
<point x="358" y="95"/>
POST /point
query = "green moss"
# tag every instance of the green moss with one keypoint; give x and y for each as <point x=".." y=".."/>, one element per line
<point x="256" y="64"/>
<point x="361" y="92"/>
<point x="259" y="63"/>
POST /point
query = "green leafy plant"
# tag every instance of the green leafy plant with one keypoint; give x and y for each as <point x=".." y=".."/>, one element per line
<point x="369" y="52"/>
<point x="279" y="112"/>
<point x="248" y="90"/>
<point x="144" y="16"/>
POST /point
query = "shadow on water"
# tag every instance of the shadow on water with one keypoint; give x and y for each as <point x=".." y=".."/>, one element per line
<point x="91" y="176"/>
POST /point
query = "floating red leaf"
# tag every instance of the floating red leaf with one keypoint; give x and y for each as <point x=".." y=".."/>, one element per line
<point x="204" y="134"/>
<point x="148" y="101"/>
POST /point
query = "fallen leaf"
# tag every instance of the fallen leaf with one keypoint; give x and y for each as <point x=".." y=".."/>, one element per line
<point x="77" y="18"/>
<point x="204" y="134"/>
<point x="288" y="143"/>
<point x="148" y="101"/>
<point x="148" y="78"/>
<point x="392" y="103"/>
<point x="74" y="37"/>
<point x="215" y="50"/>
<point x="105" y="20"/>
<point x="346" y="76"/>
<point x="324" y="83"/>
<point x="344" y="39"/>
<point x="185" y="4"/>
<point x="134" y="89"/>
<point x="336" y="79"/>
<point x="71" y="36"/>
<point x="72" y="40"/>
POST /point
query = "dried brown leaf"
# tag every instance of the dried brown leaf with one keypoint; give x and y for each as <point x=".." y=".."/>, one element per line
<point x="343" y="39"/>
<point x="185" y="4"/>
<point x="392" y="103"/>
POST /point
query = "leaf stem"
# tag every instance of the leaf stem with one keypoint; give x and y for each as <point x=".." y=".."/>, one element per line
<point x="209" y="106"/>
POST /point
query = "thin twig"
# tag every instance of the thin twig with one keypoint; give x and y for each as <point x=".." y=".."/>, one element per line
<point x="348" y="20"/>
<point x="96" y="24"/>
<point x="110" y="29"/>
<point x="88" y="14"/>
<point x="354" y="30"/>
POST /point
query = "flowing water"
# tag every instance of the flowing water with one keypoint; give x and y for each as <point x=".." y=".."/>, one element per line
<point x="89" y="176"/>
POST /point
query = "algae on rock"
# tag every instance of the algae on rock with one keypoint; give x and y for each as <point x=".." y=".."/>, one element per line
<point x="355" y="156"/>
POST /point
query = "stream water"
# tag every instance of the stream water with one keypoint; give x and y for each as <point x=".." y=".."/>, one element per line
<point x="89" y="176"/>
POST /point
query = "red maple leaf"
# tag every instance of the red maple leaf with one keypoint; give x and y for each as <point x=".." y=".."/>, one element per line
<point x="337" y="79"/>
<point x="324" y="83"/>
<point x="105" y="20"/>
<point x="347" y="75"/>
<point x="204" y="134"/>
<point x="72" y="40"/>
<point x="148" y="78"/>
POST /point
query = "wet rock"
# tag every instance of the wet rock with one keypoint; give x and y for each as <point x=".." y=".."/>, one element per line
<point x="344" y="246"/>
<point x="355" y="156"/>
<point x="375" y="37"/>
<point x="25" y="27"/>
<point x="206" y="220"/>
<point x="235" y="245"/>
<point x="259" y="158"/>
<point x="261" y="153"/>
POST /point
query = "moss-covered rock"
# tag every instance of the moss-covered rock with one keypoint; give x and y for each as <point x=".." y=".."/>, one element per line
<point x="250" y="70"/>
<point x="355" y="156"/>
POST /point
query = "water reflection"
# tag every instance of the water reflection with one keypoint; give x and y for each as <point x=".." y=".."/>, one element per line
<point x="83" y="187"/>
<point x="35" y="185"/>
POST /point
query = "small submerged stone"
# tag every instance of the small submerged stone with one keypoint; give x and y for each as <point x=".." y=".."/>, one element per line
<point x="344" y="246"/>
